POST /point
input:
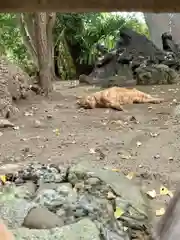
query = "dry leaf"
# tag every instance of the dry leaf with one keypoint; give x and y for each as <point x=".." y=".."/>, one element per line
<point x="3" y="179"/>
<point x="154" y="134"/>
<point x="56" y="131"/>
<point x="92" y="150"/>
<point x="27" y="114"/>
<point x="125" y="156"/>
<point x="130" y="175"/>
<point x="160" y="212"/>
<point x="174" y="100"/>
<point x="115" y="170"/>
<point x="170" y="158"/>
<point x="152" y="193"/>
<point x="157" y="156"/>
<point x="138" y="144"/>
<point x="16" y="127"/>
<point x="118" y="213"/>
<point x="110" y="196"/>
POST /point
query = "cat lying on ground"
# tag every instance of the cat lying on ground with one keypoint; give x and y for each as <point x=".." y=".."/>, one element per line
<point x="115" y="97"/>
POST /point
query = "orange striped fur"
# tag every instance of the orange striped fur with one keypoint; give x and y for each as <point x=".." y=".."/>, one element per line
<point x="115" y="97"/>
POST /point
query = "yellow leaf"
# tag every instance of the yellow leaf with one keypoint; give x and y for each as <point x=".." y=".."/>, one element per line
<point x="56" y="131"/>
<point x="165" y="191"/>
<point x="152" y="193"/>
<point x="130" y="175"/>
<point x="115" y="170"/>
<point x="160" y="212"/>
<point x="3" y="179"/>
<point x="118" y="213"/>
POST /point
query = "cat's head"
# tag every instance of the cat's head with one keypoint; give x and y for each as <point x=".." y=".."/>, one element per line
<point x="86" y="102"/>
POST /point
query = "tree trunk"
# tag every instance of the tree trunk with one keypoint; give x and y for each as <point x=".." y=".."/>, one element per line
<point x="45" y="75"/>
<point x="175" y="29"/>
<point x="51" y="18"/>
<point x="36" y="30"/>
<point x="157" y="25"/>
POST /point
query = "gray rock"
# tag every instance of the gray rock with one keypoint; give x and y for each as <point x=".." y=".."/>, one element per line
<point x="84" y="230"/>
<point x="54" y="198"/>
<point x="43" y="173"/>
<point x="13" y="207"/>
<point x="27" y="190"/>
<point x="120" y="185"/>
<point x="13" y="212"/>
<point x="156" y="74"/>
<point x="47" y="186"/>
<point x="42" y="218"/>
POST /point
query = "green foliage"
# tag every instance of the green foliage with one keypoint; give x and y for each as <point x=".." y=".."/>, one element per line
<point x="92" y="28"/>
<point x="11" y="42"/>
<point x="84" y="30"/>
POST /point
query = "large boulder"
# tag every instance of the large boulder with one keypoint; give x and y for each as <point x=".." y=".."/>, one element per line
<point x="156" y="74"/>
<point x="85" y="229"/>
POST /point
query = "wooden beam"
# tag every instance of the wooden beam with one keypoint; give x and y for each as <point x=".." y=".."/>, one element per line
<point x="90" y="5"/>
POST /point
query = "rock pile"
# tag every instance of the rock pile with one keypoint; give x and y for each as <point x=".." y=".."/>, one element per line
<point x="79" y="202"/>
<point x="14" y="85"/>
<point x="136" y="57"/>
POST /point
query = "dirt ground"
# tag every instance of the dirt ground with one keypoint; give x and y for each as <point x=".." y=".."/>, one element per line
<point x="144" y="139"/>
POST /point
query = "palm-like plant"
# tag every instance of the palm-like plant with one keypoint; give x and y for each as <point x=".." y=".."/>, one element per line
<point x="86" y="30"/>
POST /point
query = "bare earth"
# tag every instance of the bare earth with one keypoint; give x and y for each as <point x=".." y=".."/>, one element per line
<point x="145" y="139"/>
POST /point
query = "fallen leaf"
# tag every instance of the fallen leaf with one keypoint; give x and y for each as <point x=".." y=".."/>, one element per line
<point x="118" y="213"/>
<point x="92" y="151"/>
<point x="16" y="128"/>
<point x="130" y="175"/>
<point x="160" y="212"/>
<point x="3" y="179"/>
<point x="115" y="170"/>
<point x="119" y="122"/>
<point x="125" y="156"/>
<point x="138" y="144"/>
<point x="165" y="191"/>
<point x="125" y="229"/>
<point x="157" y="156"/>
<point x="152" y="193"/>
<point x="154" y="134"/>
<point x="27" y="114"/>
<point x="56" y="131"/>
<point x="110" y="196"/>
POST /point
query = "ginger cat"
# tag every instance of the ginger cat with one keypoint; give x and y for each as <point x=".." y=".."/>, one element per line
<point x="115" y="97"/>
